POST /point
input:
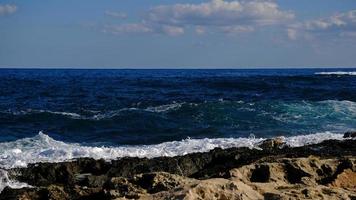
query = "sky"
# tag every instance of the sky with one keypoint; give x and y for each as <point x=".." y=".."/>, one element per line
<point x="177" y="33"/>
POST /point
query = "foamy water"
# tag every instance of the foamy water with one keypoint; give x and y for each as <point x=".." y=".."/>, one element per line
<point x="6" y="181"/>
<point x="43" y="148"/>
<point x="337" y="73"/>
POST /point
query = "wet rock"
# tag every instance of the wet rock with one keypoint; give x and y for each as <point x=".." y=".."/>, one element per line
<point x="24" y="193"/>
<point x="351" y="134"/>
<point x="51" y="192"/>
<point x="325" y="170"/>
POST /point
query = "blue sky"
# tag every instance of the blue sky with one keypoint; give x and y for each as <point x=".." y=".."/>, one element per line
<point x="177" y="33"/>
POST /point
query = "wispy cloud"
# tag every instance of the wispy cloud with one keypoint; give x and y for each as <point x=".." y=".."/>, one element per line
<point x="225" y="16"/>
<point x="7" y="9"/>
<point x="119" y="15"/>
<point x="128" y="28"/>
<point x="337" y="25"/>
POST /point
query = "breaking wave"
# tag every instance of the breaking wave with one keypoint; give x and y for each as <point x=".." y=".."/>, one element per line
<point x="336" y="73"/>
<point x="42" y="148"/>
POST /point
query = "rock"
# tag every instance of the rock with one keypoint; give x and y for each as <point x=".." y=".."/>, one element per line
<point x="272" y="196"/>
<point x="156" y="182"/>
<point x="318" y="171"/>
<point x="351" y="134"/>
<point x="23" y="193"/>
<point x="122" y="187"/>
<point x="51" y="192"/>
<point x="347" y="179"/>
<point x="222" y="189"/>
<point x="273" y="143"/>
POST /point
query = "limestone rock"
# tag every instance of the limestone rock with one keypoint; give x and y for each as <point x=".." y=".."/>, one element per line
<point x="273" y="143"/>
<point x="319" y="171"/>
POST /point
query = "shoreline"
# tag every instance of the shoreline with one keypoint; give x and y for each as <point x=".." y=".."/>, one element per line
<point x="43" y="148"/>
<point x="315" y="171"/>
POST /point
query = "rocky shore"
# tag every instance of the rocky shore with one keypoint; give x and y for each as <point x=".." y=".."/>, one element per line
<point x="272" y="171"/>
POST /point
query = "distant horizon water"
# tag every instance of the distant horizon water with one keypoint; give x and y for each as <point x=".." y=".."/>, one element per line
<point x="180" y="68"/>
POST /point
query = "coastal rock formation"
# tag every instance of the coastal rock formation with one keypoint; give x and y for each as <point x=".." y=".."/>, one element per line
<point x="272" y="143"/>
<point x="321" y="171"/>
<point x="351" y="134"/>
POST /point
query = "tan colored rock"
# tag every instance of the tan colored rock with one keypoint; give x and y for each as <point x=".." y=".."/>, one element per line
<point x="273" y="143"/>
<point x="57" y="193"/>
<point x="299" y="178"/>
<point x="161" y="181"/>
<point x="222" y="189"/>
<point x="272" y="177"/>
<point x="346" y="180"/>
<point x="118" y="187"/>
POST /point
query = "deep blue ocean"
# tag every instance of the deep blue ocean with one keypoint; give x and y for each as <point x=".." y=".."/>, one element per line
<point x="123" y="108"/>
<point x="152" y="106"/>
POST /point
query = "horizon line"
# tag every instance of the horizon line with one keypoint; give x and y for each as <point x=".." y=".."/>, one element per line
<point x="177" y="68"/>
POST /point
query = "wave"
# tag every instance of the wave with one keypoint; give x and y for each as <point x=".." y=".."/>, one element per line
<point x="336" y="73"/>
<point x="98" y="115"/>
<point x="167" y="122"/>
<point x="34" y="111"/>
<point x="42" y="148"/>
<point x="175" y="106"/>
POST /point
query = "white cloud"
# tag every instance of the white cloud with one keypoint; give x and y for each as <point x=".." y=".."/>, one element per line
<point x="226" y="16"/>
<point x="119" y="15"/>
<point x="128" y="28"/>
<point x="220" y="13"/>
<point x="7" y="9"/>
<point x="339" y="25"/>
<point x="142" y="28"/>
<point x="292" y="34"/>
<point x="232" y="30"/>
<point x="172" y="30"/>
<point x="200" y="30"/>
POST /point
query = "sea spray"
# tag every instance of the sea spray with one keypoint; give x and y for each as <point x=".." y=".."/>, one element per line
<point x="5" y="181"/>
<point x="43" y="148"/>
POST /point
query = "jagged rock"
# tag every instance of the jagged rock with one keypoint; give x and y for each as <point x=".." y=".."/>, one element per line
<point x="157" y="182"/>
<point x="351" y="134"/>
<point x="122" y="187"/>
<point x="320" y="171"/>
<point x="222" y="189"/>
<point x="347" y="179"/>
<point x="273" y="143"/>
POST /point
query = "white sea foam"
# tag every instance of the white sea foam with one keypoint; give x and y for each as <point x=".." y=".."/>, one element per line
<point x="43" y="148"/>
<point x="164" y="108"/>
<point x="6" y="181"/>
<point x="32" y="111"/>
<point x="105" y="115"/>
<point x="336" y="73"/>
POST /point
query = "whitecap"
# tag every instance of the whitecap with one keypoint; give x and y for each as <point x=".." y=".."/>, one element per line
<point x="336" y="73"/>
<point x="164" y="108"/>
<point x="43" y="148"/>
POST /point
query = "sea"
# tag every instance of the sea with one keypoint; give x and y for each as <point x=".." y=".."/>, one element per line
<point x="54" y="115"/>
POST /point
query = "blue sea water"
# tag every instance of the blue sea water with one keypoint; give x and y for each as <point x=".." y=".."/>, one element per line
<point x="112" y="113"/>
